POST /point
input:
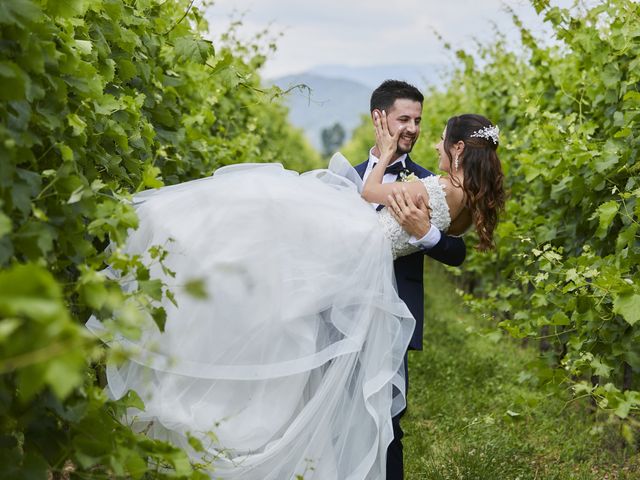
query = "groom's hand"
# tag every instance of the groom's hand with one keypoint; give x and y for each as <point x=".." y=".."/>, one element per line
<point x="414" y="219"/>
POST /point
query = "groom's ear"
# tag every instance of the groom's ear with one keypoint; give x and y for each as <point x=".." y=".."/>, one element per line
<point x="374" y="111"/>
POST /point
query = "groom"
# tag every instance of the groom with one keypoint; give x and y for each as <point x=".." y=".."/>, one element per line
<point x="403" y="105"/>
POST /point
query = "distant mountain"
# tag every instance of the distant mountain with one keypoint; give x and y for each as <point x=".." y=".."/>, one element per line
<point x="340" y="94"/>
<point x="420" y="75"/>
<point x="329" y="101"/>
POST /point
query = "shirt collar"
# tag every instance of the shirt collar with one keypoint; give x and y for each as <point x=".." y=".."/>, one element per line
<point x="373" y="159"/>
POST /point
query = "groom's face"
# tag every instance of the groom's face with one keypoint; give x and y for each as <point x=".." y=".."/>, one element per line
<point x="408" y="114"/>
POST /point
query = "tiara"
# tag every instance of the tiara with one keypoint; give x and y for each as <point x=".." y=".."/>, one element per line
<point x="488" y="133"/>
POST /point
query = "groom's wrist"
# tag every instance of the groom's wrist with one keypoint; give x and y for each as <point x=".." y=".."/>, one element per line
<point x="430" y="240"/>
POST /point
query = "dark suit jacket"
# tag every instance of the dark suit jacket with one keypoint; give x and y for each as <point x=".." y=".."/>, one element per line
<point x="408" y="269"/>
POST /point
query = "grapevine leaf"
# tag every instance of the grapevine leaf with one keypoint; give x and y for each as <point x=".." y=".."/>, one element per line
<point x="628" y="305"/>
<point x="153" y="288"/>
<point x="67" y="8"/>
<point x="159" y="316"/>
<point x="628" y="434"/>
<point x="76" y="195"/>
<point x="132" y="400"/>
<point x="560" y="318"/>
<point x="94" y="294"/>
<point x="135" y="465"/>
<point x="76" y="123"/>
<point x="623" y="408"/>
<point x="84" y="46"/>
<point x="540" y="5"/>
<point x="34" y="466"/>
<point x="222" y="63"/>
<point x="5" y="225"/>
<point x="19" y="13"/>
<point x="14" y="82"/>
<point x="8" y="326"/>
<point x="195" y="443"/>
<point x="606" y="213"/>
<point x="151" y="177"/>
<point x="31" y="291"/>
<point x="610" y="157"/>
<point x="194" y="49"/>
<point x="66" y="152"/>
<point x="64" y="373"/>
<point x="600" y="368"/>
<point x="196" y="288"/>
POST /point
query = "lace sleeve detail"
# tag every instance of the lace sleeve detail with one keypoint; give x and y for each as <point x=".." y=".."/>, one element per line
<point x="440" y="216"/>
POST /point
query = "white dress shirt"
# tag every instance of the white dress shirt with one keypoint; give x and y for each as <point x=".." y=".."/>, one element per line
<point x="433" y="235"/>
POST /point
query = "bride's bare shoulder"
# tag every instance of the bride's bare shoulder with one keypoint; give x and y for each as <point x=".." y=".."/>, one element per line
<point x="453" y="190"/>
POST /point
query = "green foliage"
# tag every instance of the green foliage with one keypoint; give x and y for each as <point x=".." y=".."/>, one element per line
<point x="473" y="413"/>
<point x="565" y="270"/>
<point x="357" y="149"/>
<point x="98" y="100"/>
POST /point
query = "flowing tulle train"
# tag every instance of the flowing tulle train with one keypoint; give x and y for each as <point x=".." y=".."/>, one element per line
<point x="291" y="365"/>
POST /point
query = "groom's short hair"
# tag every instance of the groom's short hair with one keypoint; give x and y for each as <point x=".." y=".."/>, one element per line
<point x="389" y="91"/>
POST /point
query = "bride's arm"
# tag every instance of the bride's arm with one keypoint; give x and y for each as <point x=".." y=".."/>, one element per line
<point x="381" y="193"/>
<point x="374" y="191"/>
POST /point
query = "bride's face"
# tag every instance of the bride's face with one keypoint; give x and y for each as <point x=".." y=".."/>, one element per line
<point x="444" y="160"/>
<point x="444" y="163"/>
<point x="408" y="114"/>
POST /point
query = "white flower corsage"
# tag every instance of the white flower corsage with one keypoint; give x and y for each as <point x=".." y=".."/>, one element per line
<point x="407" y="176"/>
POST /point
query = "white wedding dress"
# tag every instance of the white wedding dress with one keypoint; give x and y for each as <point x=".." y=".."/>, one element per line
<point x="289" y="364"/>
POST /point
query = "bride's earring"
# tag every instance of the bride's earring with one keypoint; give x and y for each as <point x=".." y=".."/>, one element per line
<point x="456" y="162"/>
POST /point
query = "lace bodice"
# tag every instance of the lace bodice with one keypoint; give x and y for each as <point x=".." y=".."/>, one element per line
<point x="440" y="218"/>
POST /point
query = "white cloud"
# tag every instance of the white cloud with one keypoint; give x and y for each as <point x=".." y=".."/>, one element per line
<point x="368" y="32"/>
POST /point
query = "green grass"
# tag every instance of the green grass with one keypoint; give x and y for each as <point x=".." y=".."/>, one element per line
<point x="472" y="415"/>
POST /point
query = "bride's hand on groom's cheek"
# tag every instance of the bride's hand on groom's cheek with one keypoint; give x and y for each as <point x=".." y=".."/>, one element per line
<point x="413" y="218"/>
<point x="387" y="143"/>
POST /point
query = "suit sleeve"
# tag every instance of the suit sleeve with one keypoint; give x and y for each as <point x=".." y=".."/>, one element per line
<point x="449" y="250"/>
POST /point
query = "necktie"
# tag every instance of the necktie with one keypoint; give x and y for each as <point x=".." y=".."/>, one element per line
<point x="396" y="168"/>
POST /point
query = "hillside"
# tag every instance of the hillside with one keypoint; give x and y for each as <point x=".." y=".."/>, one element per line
<point x="340" y="94"/>
<point x="326" y="102"/>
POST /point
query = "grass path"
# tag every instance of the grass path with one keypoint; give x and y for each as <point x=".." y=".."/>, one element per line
<point x="472" y="414"/>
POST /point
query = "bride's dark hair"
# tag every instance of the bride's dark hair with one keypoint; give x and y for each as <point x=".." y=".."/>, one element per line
<point x="483" y="177"/>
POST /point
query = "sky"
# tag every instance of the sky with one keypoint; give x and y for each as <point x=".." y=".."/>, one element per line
<point x="370" y="32"/>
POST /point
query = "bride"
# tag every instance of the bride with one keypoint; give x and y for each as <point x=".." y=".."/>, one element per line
<point x="290" y="365"/>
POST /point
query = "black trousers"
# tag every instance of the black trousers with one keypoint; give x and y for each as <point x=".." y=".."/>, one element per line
<point x="395" y="466"/>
